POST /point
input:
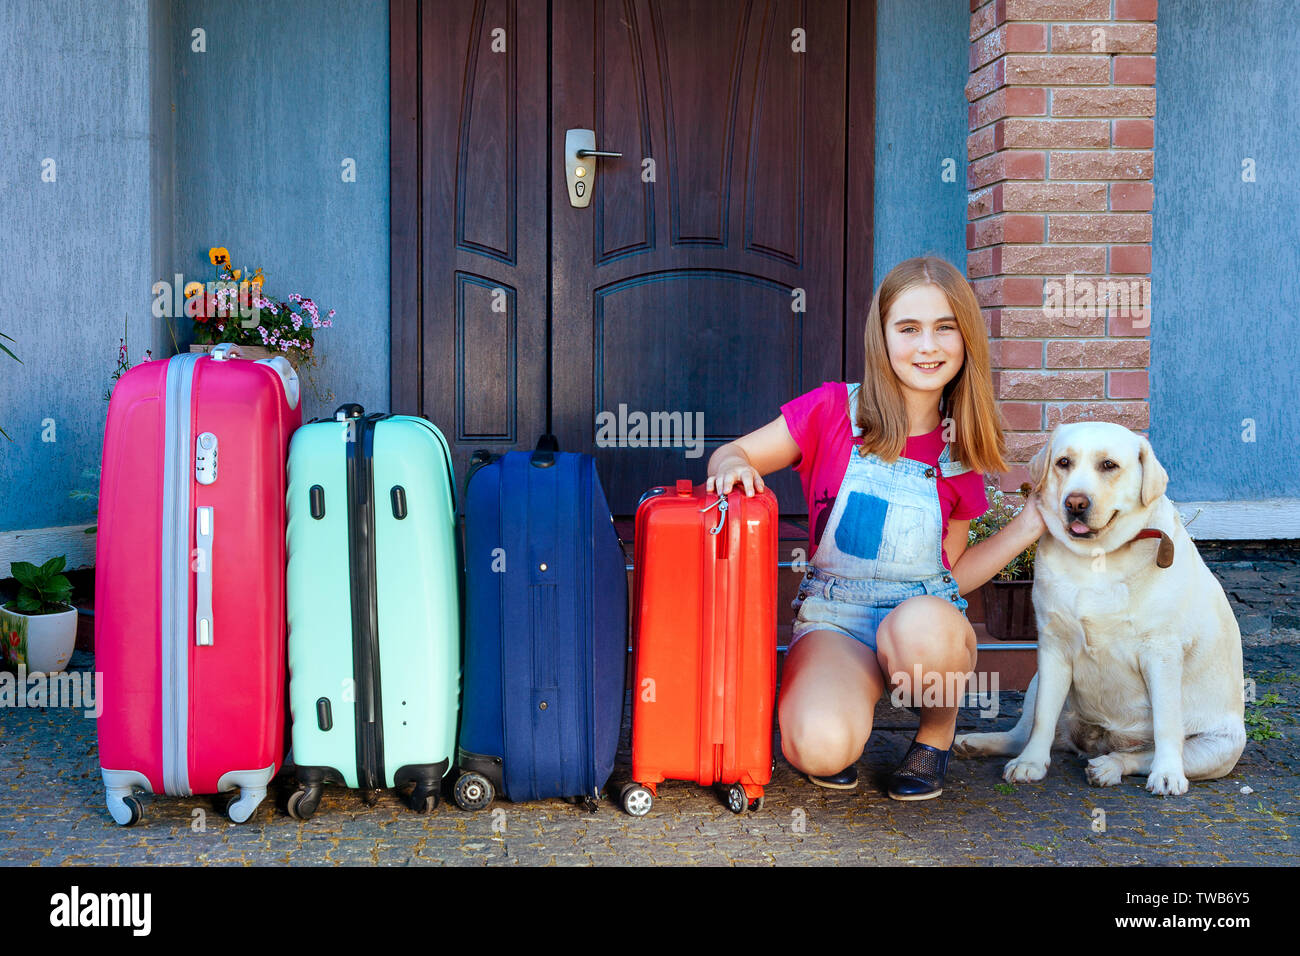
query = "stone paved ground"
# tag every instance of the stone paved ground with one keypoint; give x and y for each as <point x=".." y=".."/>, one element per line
<point x="52" y="810"/>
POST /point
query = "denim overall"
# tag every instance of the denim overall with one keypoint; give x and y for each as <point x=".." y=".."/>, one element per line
<point x="882" y="545"/>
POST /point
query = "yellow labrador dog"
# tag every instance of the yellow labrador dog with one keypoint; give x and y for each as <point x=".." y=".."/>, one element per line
<point x="1139" y="656"/>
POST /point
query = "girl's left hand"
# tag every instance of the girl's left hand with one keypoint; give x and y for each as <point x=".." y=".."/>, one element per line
<point x="1030" y="518"/>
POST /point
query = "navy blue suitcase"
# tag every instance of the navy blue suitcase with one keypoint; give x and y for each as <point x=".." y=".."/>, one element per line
<point x="545" y="630"/>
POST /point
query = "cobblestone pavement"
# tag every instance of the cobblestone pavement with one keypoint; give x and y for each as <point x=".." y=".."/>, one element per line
<point x="52" y="810"/>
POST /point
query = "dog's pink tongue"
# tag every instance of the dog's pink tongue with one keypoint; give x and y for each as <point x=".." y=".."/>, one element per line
<point x="1079" y="527"/>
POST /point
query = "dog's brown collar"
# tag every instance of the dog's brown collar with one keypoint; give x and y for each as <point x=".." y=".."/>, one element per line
<point x="1164" y="553"/>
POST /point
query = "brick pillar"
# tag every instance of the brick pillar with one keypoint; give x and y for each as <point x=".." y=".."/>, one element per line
<point x="1062" y="99"/>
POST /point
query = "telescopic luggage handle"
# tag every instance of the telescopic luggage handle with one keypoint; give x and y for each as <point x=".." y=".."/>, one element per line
<point x="544" y="455"/>
<point x="348" y="410"/>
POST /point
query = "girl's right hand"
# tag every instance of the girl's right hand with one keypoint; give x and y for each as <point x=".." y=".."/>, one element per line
<point x="732" y="472"/>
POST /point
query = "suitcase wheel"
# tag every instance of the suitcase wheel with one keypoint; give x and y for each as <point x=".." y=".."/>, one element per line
<point x="241" y="806"/>
<point x="735" y="798"/>
<point x="637" y="800"/>
<point x="756" y="805"/>
<point x="473" y="791"/>
<point x="136" y="806"/>
<point x="422" y="799"/>
<point x="303" y="803"/>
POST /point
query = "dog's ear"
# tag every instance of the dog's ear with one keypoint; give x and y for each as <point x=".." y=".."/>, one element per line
<point x="1154" y="477"/>
<point x="1038" y="466"/>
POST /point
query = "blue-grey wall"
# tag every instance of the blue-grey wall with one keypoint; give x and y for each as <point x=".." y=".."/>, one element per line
<point x="286" y="92"/>
<point x="922" y="58"/>
<point x="1225" y="324"/>
<point x="161" y="152"/>
<point x="77" y="254"/>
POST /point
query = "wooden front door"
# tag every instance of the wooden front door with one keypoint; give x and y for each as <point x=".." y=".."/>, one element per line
<point x="705" y="283"/>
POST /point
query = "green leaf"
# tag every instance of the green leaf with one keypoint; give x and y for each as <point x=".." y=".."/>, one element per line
<point x="4" y="348"/>
<point x="25" y="573"/>
<point x="26" y="605"/>
<point x="54" y="565"/>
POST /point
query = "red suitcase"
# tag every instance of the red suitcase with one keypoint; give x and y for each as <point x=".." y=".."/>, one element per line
<point x="189" y="579"/>
<point x="704" y="632"/>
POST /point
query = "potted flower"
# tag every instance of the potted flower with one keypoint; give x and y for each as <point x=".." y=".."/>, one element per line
<point x="1007" y="598"/>
<point x="38" y="629"/>
<point x="237" y="310"/>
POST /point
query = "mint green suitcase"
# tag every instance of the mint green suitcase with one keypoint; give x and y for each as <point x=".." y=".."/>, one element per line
<point x="374" y="608"/>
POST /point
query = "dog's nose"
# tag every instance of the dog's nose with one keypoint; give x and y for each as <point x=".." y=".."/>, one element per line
<point x="1077" y="502"/>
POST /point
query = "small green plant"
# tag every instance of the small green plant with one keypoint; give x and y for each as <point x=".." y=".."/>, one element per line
<point x="999" y="515"/>
<point x="1258" y="725"/>
<point x="1004" y="788"/>
<point x="42" y="590"/>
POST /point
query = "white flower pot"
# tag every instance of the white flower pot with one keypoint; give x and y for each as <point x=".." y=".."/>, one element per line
<point x="40" y="642"/>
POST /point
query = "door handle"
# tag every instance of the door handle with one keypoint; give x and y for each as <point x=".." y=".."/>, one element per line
<point x="580" y="145"/>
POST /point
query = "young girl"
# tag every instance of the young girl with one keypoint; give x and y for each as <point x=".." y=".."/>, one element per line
<point x="892" y="471"/>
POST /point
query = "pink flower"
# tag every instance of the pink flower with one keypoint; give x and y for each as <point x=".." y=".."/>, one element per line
<point x="331" y="313"/>
<point x="294" y="297"/>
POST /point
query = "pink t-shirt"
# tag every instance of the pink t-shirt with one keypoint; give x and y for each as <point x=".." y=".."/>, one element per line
<point x="819" y="422"/>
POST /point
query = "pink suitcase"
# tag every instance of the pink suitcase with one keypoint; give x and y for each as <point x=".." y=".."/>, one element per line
<point x="189" y="579"/>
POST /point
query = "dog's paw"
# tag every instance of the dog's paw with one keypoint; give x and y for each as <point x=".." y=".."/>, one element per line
<point x="1105" y="771"/>
<point x="969" y="745"/>
<point x="1022" y="770"/>
<point x="1167" y="781"/>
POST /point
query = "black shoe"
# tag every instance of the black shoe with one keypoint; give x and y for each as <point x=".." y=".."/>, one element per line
<point x="846" y="779"/>
<point x="920" y="775"/>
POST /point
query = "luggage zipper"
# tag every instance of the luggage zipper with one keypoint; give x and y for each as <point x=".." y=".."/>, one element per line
<point x="178" y="478"/>
<point x="365" y="624"/>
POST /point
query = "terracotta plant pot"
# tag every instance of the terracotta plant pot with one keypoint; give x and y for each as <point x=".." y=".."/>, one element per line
<point x="39" y="642"/>
<point x="1009" y="610"/>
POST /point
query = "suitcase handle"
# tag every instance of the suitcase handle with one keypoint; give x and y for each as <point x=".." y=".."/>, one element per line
<point x="348" y="410"/>
<point x="224" y="351"/>
<point x="544" y="455"/>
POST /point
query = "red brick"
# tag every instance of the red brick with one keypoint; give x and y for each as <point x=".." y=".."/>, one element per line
<point x="981" y="19"/>
<point x="1123" y="101"/>
<point x="1016" y="353"/>
<point x="980" y="262"/>
<point x="1009" y="290"/>
<point x="1102" y="164"/>
<point x="1049" y="386"/>
<point x="1008" y="164"/>
<point x="1023" y="70"/>
<point x="1022" y="416"/>
<point x="1134" y="415"/>
<point x="1135" y="9"/>
<point x="1004" y="228"/>
<point x="1058" y="10"/>
<point x="1008" y="101"/>
<point x="1102" y="353"/>
<point x="979" y="202"/>
<point x="1139" y="197"/>
<point x="1054" y="197"/>
<point x="1128" y="385"/>
<point x="1052" y="260"/>
<point x="1051" y="134"/>
<point x="1030" y="323"/>
<point x="1134" y="133"/>
<point x="1130" y="260"/>
<point x="1135" y="71"/>
<point x="983" y="142"/>
<point x="1100" y="227"/>
<point x="986" y="79"/>
<point x="1134" y="323"/>
<point x="1112" y="38"/>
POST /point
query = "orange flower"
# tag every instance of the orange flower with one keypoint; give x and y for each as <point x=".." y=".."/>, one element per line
<point x="193" y="289"/>
<point x="219" y="255"/>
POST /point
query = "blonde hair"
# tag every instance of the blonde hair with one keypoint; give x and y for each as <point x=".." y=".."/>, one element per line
<point x="978" y="441"/>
